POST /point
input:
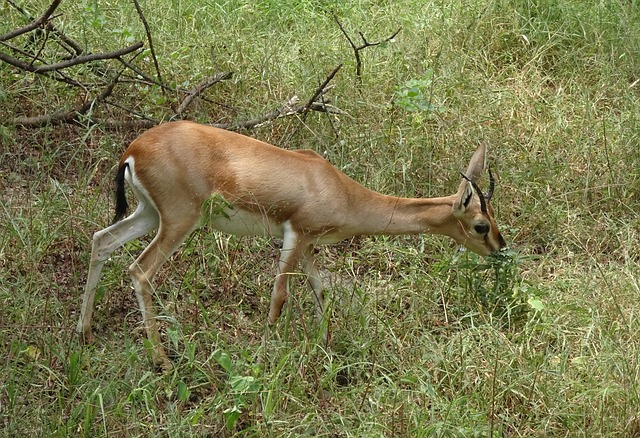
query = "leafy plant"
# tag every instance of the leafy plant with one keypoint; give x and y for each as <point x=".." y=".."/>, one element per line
<point x="243" y="389"/>
<point x="416" y="95"/>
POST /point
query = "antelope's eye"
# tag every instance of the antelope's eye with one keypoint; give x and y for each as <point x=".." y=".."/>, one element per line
<point x="481" y="228"/>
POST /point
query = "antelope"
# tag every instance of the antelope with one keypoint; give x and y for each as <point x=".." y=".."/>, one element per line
<point x="174" y="168"/>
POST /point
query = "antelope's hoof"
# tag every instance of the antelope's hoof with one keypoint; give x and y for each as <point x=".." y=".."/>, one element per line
<point x="87" y="337"/>
<point x="273" y="317"/>
<point x="162" y="364"/>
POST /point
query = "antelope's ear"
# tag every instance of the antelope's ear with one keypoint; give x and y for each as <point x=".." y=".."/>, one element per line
<point x="473" y="173"/>
<point x="464" y="197"/>
<point x="477" y="164"/>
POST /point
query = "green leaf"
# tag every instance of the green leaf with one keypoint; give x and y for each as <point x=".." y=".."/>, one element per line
<point x="183" y="391"/>
<point x="223" y="360"/>
<point x="231" y="416"/>
<point x="536" y="304"/>
<point x="242" y="384"/>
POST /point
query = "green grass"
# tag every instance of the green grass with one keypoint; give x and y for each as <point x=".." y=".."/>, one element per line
<point x="426" y="340"/>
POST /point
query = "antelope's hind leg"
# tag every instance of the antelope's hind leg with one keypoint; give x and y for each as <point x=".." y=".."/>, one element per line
<point x="143" y="220"/>
<point x="171" y="234"/>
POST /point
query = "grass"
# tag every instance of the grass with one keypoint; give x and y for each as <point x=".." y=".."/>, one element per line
<point x="426" y="340"/>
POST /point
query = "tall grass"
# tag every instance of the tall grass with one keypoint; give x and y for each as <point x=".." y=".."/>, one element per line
<point x="426" y="340"/>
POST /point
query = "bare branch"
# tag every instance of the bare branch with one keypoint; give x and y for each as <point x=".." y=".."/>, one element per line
<point x="148" y="31"/>
<point x="290" y="108"/>
<point x="364" y="45"/>
<point x="198" y="89"/>
<point x="66" y="116"/>
<point x="143" y="75"/>
<point x="61" y="77"/>
<point x="68" y="43"/>
<point x="138" y="115"/>
<point x="83" y="112"/>
<point x="69" y="63"/>
<point x="89" y="58"/>
<point x="321" y="89"/>
<point x="33" y="25"/>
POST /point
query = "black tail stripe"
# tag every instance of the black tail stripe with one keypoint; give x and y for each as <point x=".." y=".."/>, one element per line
<point x="121" y="199"/>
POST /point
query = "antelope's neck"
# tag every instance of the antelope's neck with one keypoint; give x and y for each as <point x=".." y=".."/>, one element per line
<point x="395" y="215"/>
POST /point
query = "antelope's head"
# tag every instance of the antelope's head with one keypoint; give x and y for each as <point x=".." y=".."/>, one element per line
<point x="476" y="227"/>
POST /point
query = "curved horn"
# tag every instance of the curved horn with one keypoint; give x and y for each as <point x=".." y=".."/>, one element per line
<point x="483" y="203"/>
<point x="492" y="184"/>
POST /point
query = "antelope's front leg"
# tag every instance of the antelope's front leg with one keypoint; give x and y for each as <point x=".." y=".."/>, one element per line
<point x="313" y="279"/>
<point x="289" y="258"/>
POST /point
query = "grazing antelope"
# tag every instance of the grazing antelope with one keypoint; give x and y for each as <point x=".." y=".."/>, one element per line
<point x="174" y="168"/>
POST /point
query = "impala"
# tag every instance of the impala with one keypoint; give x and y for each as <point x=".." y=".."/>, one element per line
<point x="258" y="189"/>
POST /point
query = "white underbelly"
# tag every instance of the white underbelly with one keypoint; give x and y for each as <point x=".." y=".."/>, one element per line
<point x="221" y="215"/>
<point x="244" y="223"/>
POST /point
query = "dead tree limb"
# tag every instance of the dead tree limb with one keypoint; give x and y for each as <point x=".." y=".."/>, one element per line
<point x="44" y="68"/>
<point x="292" y="107"/>
<point x="364" y="45"/>
<point x="67" y="43"/>
<point x="60" y="76"/>
<point x="33" y="62"/>
<point x="322" y="88"/>
<point x="70" y="116"/>
<point x="33" y="25"/>
<point x="198" y="89"/>
<point x="150" y="40"/>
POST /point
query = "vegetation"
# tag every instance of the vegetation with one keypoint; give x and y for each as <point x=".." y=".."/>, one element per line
<point x="426" y="340"/>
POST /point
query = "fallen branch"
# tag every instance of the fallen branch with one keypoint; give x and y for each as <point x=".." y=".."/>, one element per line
<point x="144" y="76"/>
<point x="84" y="113"/>
<point x="198" y="89"/>
<point x="61" y="77"/>
<point x="291" y="107"/>
<point x="67" y="43"/>
<point x="33" y="25"/>
<point x="62" y="116"/>
<point x="44" y="68"/>
<point x="322" y="88"/>
<point x="364" y="45"/>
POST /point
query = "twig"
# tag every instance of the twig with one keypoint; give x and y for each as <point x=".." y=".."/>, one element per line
<point x="67" y="43"/>
<point x="291" y="107"/>
<point x="288" y="108"/>
<point x="61" y="77"/>
<point x="195" y="92"/>
<point x="364" y="45"/>
<point x="70" y="45"/>
<point x="39" y="52"/>
<point x="66" y="116"/>
<point x="33" y="25"/>
<point x="148" y="31"/>
<point x="138" y="115"/>
<point x="54" y="71"/>
<point x="321" y="89"/>
<point x="144" y="76"/>
<point x="69" y="63"/>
